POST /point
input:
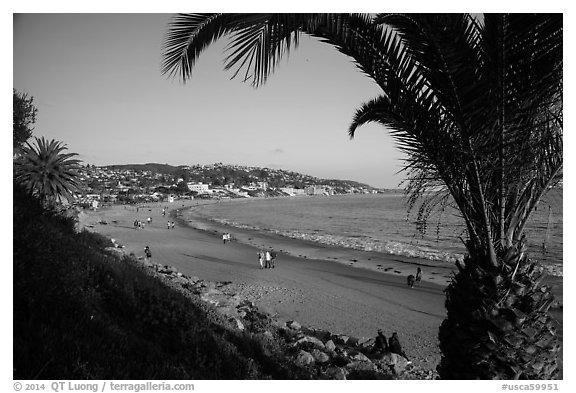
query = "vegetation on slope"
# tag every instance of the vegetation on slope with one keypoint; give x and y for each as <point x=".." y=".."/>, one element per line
<point x="81" y="313"/>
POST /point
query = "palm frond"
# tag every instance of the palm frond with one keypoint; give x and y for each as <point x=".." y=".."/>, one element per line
<point x="475" y="103"/>
<point x="258" y="41"/>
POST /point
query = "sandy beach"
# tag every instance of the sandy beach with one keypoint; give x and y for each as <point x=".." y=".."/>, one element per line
<point x="304" y="286"/>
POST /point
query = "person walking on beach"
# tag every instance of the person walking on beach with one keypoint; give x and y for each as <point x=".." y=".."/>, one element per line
<point x="148" y="254"/>
<point x="172" y="224"/>
<point x="410" y="280"/>
<point x="268" y="259"/>
<point x="224" y="238"/>
<point x="261" y="258"/>
<point x="168" y="224"/>
<point x="418" y="274"/>
<point x="136" y="224"/>
<point x="272" y="257"/>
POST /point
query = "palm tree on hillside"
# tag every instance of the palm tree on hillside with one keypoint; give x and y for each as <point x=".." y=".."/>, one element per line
<point x="476" y="104"/>
<point x="46" y="171"/>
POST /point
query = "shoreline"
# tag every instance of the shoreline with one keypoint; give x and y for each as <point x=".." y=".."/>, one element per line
<point x="317" y="293"/>
<point x="376" y="261"/>
<point x="393" y="264"/>
<point x="340" y="297"/>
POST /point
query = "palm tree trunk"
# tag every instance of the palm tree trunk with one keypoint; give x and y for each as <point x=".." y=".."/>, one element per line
<point x="498" y="326"/>
<point x="487" y="229"/>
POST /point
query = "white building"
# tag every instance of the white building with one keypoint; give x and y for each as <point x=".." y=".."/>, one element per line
<point x="200" y="188"/>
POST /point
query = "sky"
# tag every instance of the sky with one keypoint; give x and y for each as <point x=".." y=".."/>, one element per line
<point x="98" y="87"/>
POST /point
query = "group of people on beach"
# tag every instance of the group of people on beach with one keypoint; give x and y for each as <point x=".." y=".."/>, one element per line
<point x="393" y="345"/>
<point x="226" y="237"/>
<point x="170" y="225"/>
<point x="267" y="259"/>
<point x="139" y="224"/>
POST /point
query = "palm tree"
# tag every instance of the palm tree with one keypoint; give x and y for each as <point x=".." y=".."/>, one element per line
<point x="475" y="102"/>
<point x="46" y="172"/>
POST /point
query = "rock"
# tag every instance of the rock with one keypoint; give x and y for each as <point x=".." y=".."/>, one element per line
<point x="239" y="323"/>
<point x="179" y="280"/>
<point x="360" y="357"/>
<point x="394" y="362"/>
<point x="268" y="335"/>
<point x="246" y="303"/>
<point x="294" y="325"/>
<point x="304" y="358"/>
<point x="312" y="340"/>
<point x="279" y="323"/>
<point x="319" y="356"/>
<point x="352" y="341"/>
<point x="117" y="252"/>
<point x="361" y="365"/>
<point x="336" y="373"/>
<point x="365" y="342"/>
<point x="330" y="346"/>
<point x="322" y="334"/>
<point x="341" y="339"/>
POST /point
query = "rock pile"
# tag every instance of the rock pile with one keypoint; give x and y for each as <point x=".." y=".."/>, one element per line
<point x="325" y="354"/>
<point x="328" y="355"/>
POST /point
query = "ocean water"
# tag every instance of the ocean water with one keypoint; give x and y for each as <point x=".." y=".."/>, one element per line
<point x="381" y="223"/>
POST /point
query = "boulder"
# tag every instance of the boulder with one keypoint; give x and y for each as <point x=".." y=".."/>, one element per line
<point x="294" y="325"/>
<point x="365" y="342"/>
<point x="310" y="340"/>
<point x="319" y="356"/>
<point x="361" y="366"/>
<point x="268" y="335"/>
<point x="179" y="280"/>
<point x="304" y="358"/>
<point x="191" y="279"/>
<point x="360" y="357"/>
<point x="336" y="373"/>
<point x="279" y="324"/>
<point x="341" y="339"/>
<point x="239" y="323"/>
<point x="393" y="361"/>
<point x="322" y="334"/>
<point x="246" y="303"/>
<point x="117" y="252"/>
<point x="352" y="341"/>
<point x="330" y="346"/>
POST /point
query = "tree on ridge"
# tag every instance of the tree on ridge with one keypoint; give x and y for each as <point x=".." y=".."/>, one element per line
<point x="23" y="118"/>
<point x="46" y="171"/>
<point x="476" y="104"/>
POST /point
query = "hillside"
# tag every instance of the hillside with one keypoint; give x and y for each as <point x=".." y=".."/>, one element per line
<point x="221" y="174"/>
<point x="81" y="312"/>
